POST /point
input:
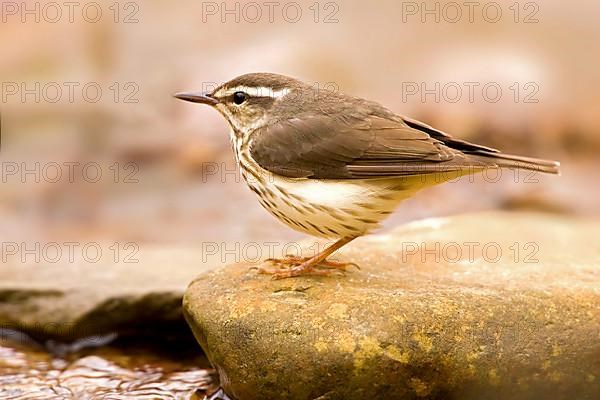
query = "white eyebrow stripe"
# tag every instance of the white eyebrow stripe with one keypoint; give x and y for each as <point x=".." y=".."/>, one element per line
<point x="255" y="91"/>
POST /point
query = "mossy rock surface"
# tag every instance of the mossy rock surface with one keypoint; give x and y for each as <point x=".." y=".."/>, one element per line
<point x="414" y="324"/>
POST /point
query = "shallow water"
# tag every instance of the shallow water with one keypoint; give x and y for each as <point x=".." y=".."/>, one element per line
<point x="119" y="370"/>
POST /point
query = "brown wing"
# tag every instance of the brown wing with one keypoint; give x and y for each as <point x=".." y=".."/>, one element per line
<point x="372" y="147"/>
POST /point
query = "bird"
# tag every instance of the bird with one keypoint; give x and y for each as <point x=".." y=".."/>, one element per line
<point x="335" y="166"/>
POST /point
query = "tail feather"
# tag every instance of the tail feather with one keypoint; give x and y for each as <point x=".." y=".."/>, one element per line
<point x="502" y="160"/>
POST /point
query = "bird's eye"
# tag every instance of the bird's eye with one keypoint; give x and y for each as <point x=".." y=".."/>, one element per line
<point x="239" y="97"/>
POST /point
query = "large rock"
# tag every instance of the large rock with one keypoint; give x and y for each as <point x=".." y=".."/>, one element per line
<point x="80" y="295"/>
<point x="515" y="317"/>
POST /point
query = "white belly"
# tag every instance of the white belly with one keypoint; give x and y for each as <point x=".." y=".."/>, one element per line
<point x="333" y="208"/>
<point x="327" y="208"/>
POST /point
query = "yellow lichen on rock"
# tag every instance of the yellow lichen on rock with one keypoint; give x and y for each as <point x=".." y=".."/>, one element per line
<point x="321" y="346"/>
<point x="423" y="341"/>
<point x="368" y="348"/>
<point x="337" y="311"/>
<point x="345" y="342"/>
<point x="395" y="354"/>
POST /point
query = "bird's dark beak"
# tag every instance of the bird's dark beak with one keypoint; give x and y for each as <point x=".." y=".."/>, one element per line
<point x="203" y="98"/>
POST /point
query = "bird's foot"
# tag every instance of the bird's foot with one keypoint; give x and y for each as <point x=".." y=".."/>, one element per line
<point x="292" y="266"/>
<point x="291" y="260"/>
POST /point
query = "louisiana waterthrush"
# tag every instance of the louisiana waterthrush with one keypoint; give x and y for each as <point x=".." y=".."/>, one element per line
<point x="333" y="165"/>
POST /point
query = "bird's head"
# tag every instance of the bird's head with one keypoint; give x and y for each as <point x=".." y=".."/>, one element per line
<point x="254" y="100"/>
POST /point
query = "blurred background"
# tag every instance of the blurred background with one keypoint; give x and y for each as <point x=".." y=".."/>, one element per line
<point x="94" y="146"/>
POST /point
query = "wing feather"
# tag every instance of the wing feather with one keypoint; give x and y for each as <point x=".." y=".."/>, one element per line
<point x="367" y="147"/>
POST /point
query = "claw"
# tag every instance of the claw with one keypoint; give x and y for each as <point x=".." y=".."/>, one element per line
<point x="310" y="271"/>
<point x="338" y="265"/>
<point x="292" y="266"/>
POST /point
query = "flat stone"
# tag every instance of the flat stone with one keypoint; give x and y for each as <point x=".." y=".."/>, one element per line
<point x="82" y="296"/>
<point x="481" y="306"/>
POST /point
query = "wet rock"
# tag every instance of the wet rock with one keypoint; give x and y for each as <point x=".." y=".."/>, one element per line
<point x="493" y="305"/>
<point x="82" y="296"/>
